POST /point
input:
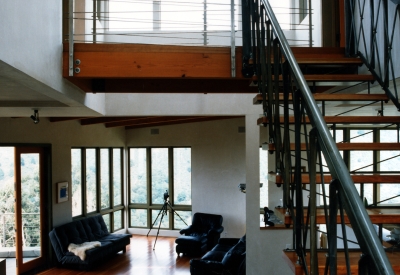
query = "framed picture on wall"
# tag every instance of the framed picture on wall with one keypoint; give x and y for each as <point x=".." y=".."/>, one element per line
<point x="62" y="192"/>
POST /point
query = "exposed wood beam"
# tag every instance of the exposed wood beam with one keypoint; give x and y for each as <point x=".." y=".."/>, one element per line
<point x="373" y="178"/>
<point x="180" y="121"/>
<point x="151" y="61"/>
<point x="344" y="120"/>
<point x="97" y="120"/>
<point x="335" y="97"/>
<point x="172" y="85"/>
<point x="356" y="146"/>
<point x="60" y="119"/>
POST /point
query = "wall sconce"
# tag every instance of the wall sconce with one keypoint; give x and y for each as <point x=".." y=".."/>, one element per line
<point x="35" y="116"/>
<point x="242" y="187"/>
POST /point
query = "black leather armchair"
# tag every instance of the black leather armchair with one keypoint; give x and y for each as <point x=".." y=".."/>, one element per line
<point x="203" y="234"/>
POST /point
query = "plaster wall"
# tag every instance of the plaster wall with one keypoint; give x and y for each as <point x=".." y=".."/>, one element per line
<point x="218" y="158"/>
<point x="62" y="136"/>
<point x="31" y="42"/>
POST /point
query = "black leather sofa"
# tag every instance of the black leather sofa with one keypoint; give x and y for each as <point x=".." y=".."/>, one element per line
<point x="86" y="230"/>
<point x="227" y="257"/>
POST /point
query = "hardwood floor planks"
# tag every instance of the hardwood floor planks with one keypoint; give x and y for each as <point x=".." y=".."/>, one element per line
<point x="140" y="258"/>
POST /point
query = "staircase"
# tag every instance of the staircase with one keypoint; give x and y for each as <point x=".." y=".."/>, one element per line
<point x="308" y="96"/>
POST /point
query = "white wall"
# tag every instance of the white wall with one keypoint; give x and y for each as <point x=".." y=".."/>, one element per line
<point x="62" y="136"/>
<point x="31" y="41"/>
<point x="217" y="166"/>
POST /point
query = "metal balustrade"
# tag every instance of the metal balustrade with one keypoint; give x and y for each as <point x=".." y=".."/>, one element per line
<point x="271" y="58"/>
<point x="7" y="230"/>
<point x="372" y="33"/>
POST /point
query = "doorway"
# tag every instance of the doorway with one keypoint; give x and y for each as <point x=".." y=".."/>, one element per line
<point x="24" y="217"/>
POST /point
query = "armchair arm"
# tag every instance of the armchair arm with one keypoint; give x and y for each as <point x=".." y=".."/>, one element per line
<point x="217" y="230"/>
<point x="186" y="230"/>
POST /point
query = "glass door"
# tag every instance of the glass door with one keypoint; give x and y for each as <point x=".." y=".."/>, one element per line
<point x="29" y="202"/>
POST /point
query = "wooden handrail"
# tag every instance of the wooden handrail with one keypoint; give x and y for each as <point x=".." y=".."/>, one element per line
<point x="358" y="146"/>
<point x="344" y="120"/>
<point x="373" y="178"/>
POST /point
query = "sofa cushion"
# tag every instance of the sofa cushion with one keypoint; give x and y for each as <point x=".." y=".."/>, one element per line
<point x="72" y="232"/>
<point x="214" y="256"/>
<point x="234" y="257"/>
<point x="95" y="227"/>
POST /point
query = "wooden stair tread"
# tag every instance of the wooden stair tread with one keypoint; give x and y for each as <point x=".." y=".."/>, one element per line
<point x="376" y="215"/>
<point x="334" y="97"/>
<point x="373" y="178"/>
<point x="291" y="258"/>
<point x="333" y="77"/>
<point x="343" y="119"/>
<point x="358" y="146"/>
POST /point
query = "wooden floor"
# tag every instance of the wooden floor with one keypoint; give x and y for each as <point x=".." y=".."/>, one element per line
<point x="140" y="258"/>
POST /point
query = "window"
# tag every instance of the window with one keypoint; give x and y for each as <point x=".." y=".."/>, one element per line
<point x="152" y="173"/>
<point x="370" y="161"/>
<point x="97" y="184"/>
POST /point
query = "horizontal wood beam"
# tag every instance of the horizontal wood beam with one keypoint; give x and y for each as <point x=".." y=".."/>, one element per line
<point x="177" y="120"/>
<point x="373" y="178"/>
<point x="98" y="120"/>
<point x="332" y="77"/>
<point x="172" y="85"/>
<point x="334" y="97"/>
<point x="377" y="216"/>
<point x="356" y="146"/>
<point x="151" y="61"/>
<point x="263" y="121"/>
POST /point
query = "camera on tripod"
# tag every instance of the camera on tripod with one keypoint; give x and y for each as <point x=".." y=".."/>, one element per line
<point x="166" y="195"/>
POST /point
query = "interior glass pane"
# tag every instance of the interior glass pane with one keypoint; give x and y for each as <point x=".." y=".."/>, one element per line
<point x="182" y="176"/>
<point x="159" y="174"/>
<point x="105" y="178"/>
<point x="185" y="216"/>
<point x="157" y="217"/>
<point x="107" y="221"/>
<point x="76" y="177"/>
<point x="138" y="175"/>
<point x="91" y="181"/>
<point x="138" y="218"/>
<point x="182" y="15"/>
<point x="361" y="161"/>
<point x="361" y="135"/>
<point x="7" y="221"/>
<point x="131" y="15"/>
<point x="30" y="201"/>
<point x="117" y="176"/>
<point x="117" y="220"/>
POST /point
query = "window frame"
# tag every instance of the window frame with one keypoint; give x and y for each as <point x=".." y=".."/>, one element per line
<point x="112" y="208"/>
<point x="149" y="206"/>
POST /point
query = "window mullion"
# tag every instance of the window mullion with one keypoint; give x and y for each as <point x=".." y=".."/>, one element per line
<point x="170" y="184"/>
<point x="149" y="191"/>
<point x="98" y="181"/>
<point x="84" y="187"/>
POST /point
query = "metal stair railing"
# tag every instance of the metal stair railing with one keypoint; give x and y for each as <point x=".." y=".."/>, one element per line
<point x="373" y="41"/>
<point x="272" y="57"/>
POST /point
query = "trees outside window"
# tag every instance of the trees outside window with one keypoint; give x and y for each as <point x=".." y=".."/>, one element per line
<point x="152" y="173"/>
<point x="97" y="184"/>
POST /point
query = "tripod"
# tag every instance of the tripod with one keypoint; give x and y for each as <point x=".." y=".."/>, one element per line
<point x="163" y="212"/>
